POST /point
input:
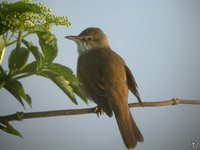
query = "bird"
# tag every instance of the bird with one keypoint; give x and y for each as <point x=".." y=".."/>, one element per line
<point x="106" y="80"/>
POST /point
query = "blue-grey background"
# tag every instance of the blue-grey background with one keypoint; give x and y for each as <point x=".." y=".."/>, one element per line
<point x="160" y="42"/>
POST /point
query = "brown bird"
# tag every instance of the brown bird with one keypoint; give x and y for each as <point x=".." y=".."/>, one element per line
<point x="106" y="79"/>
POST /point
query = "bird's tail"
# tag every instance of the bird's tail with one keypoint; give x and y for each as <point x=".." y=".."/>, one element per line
<point x="128" y="129"/>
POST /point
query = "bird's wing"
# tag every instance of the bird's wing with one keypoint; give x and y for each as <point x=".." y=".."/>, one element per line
<point x="132" y="85"/>
<point x="91" y="74"/>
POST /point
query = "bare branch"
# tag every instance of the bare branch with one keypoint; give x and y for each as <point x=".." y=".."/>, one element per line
<point x="19" y="116"/>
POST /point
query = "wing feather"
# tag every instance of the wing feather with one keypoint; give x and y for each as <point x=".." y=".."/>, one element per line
<point x="132" y="85"/>
<point x="91" y="75"/>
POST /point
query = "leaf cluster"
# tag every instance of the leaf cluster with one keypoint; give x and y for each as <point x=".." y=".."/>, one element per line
<point x="17" y="21"/>
<point x="28" y="16"/>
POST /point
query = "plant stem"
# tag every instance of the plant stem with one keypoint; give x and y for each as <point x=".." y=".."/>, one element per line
<point x="23" y="76"/>
<point x="12" y="34"/>
<point x="11" y="43"/>
<point x="5" y="36"/>
<point x="19" y="40"/>
<point x="1" y="70"/>
<point x="26" y="34"/>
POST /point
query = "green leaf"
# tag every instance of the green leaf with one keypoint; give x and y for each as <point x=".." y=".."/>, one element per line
<point x="18" y="58"/>
<point x="2" y="83"/>
<point x="2" y="49"/>
<point x="28" y="100"/>
<point x="22" y="7"/>
<point x="77" y="90"/>
<point x="29" y="68"/>
<point x="7" y="127"/>
<point x="2" y="77"/>
<point x="36" y="53"/>
<point x="61" y="82"/>
<point x="68" y="74"/>
<point x="17" y="90"/>
<point x="48" y="43"/>
<point x="63" y="70"/>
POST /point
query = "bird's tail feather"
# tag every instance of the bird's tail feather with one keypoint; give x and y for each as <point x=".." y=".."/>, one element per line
<point x="128" y="129"/>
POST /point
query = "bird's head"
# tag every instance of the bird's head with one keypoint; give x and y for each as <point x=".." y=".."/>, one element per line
<point x="89" y="39"/>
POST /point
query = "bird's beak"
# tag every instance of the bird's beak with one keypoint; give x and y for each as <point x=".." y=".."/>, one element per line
<point x="73" y="38"/>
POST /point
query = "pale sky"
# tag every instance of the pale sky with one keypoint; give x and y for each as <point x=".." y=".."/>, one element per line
<point x="160" y="42"/>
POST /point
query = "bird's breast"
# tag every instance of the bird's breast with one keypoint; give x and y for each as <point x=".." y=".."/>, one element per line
<point x="102" y="74"/>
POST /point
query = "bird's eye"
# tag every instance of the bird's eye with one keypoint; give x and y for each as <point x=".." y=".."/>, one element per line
<point x="89" y="38"/>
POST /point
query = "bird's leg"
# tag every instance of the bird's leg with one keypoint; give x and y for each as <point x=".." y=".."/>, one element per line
<point x="98" y="110"/>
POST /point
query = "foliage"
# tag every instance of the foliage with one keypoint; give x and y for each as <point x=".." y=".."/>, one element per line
<point x="17" y="21"/>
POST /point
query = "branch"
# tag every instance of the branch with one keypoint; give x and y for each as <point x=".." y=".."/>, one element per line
<point x="19" y="116"/>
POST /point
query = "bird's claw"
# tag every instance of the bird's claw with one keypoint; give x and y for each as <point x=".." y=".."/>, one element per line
<point x="99" y="111"/>
<point x="175" y="100"/>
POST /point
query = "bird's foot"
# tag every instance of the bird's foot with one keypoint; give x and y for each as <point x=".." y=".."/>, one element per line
<point x="98" y="110"/>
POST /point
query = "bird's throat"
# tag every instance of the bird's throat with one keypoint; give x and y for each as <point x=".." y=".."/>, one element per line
<point x="83" y="48"/>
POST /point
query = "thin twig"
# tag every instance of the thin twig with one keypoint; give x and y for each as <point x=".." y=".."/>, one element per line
<point x="19" y="116"/>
